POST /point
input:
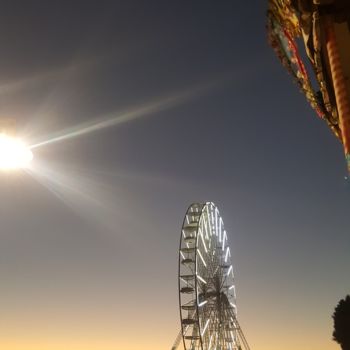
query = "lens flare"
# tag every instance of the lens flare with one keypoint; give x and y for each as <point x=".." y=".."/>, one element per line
<point x="14" y="154"/>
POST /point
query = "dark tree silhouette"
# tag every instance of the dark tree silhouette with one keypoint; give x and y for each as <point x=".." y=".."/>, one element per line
<point x="341" y="317"/>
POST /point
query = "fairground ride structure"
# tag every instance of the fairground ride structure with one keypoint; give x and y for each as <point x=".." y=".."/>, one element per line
<point x="323" y="28"/>
<point x="207" y="293"/>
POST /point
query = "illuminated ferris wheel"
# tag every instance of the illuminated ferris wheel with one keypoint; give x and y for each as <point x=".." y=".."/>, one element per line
<point x="207" y="293"/>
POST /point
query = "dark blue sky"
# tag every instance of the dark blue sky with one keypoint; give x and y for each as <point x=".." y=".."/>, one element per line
<point x="91" y="247"/>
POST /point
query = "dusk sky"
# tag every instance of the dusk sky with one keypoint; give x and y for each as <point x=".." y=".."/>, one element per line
<point x="138" y="109"/>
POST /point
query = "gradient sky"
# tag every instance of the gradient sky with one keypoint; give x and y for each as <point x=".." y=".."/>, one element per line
<point x="166" y="103"/>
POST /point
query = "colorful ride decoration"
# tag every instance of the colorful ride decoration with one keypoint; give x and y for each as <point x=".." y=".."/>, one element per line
<point x="300" y="30"/>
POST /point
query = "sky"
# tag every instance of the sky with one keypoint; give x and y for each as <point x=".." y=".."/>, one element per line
<point x="137" y="109"/>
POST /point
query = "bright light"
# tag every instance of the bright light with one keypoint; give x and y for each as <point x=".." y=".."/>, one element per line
<point x="14" y="154"/>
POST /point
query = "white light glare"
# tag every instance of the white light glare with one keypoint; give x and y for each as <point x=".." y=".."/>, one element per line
<point x="14" y="154"/>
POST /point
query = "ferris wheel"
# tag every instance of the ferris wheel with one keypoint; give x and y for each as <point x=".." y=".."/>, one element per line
<point x="207" y="294"/>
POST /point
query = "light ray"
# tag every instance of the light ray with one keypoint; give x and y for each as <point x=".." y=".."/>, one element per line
<point x="117" y="117"/>
<point x="45" y="76"/>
